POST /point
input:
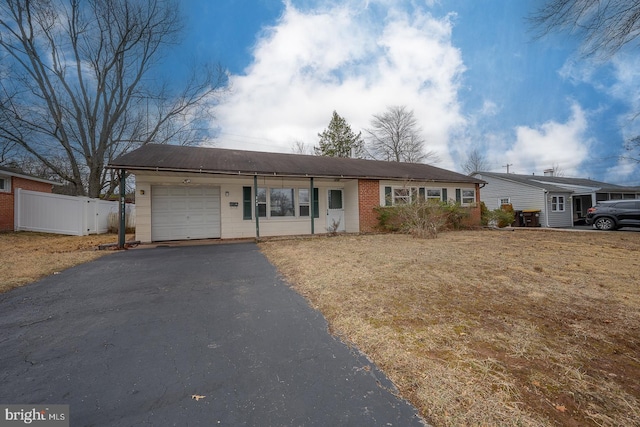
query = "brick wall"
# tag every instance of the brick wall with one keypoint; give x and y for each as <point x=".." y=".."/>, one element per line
<point x="6" y="211"/>
<point x="475" y="212"/>
<point x="368" y="199"/>
<point x="7" y="199"/>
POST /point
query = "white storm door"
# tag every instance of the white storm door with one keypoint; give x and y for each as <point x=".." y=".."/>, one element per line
<point x="335" y="210"/>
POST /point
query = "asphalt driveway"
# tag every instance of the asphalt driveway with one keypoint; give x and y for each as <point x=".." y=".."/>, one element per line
<point x="130" y="338"/>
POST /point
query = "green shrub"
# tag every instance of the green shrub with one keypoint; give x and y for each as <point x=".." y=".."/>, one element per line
<point x="484" y="214"/>
<point x="501" y="218"/>
<point x="423" y="219"/>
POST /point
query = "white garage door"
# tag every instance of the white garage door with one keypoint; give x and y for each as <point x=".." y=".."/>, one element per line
<point x="181" y="213"/>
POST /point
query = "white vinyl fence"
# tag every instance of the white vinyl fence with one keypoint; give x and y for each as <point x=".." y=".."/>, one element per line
<point x="55" y="213"/>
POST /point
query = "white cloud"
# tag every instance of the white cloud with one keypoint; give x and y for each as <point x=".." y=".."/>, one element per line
<point x="340" y="58"/>
<point x="625" y="172"/>
<point x="552" y="143"/>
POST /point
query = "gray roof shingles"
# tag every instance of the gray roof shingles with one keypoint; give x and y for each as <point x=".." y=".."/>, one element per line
<point x="173" y="158"/>
<point x="553" y="183"/>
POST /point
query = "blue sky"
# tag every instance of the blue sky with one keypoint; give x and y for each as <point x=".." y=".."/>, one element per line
<point x="471" y="71"/>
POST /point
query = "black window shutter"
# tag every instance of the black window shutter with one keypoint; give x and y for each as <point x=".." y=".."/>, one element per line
<point x="444" y="195"/>
<point x="387" y="196"/>
<point x="246" y="203"/>
<point x="458" y="195"/>
<point x="316" y="205"/>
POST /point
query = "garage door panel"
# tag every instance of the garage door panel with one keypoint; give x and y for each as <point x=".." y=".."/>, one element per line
<point x="179" y="213"/>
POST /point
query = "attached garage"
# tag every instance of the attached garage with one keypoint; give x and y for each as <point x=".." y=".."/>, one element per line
<point x="185" y="212"/>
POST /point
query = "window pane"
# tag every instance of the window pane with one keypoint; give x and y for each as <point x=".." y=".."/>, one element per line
<point x="303" y="196"/>
<point x="281" y="202"/>
<point x="401" y="196"/>
<point x="433" y="194"/>
<point x="303" y="201"/>
<point x="262" y="195"/>
<point x="468" y="196"/>
<point x="262" y="202"/>
<point x="335" y="199"/>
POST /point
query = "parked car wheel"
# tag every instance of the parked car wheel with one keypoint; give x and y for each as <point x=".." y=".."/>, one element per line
<point x="605" y="223"/>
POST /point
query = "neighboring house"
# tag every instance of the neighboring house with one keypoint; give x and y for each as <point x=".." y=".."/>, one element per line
<point x="561" y="201"/>
<point x="10" y="180"/>
<point x="197" y="192"/>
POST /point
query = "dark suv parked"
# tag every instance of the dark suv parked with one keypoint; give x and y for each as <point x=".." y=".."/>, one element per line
<point x="614" y="214"/>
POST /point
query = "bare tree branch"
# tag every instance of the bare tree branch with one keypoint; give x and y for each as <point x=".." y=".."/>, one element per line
<point x="475" y="162"/>
<point x="78" y="86"/>
<point x="606" y="26"/>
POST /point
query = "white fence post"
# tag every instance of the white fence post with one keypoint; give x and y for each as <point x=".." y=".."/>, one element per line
<point x="17" y="200"/>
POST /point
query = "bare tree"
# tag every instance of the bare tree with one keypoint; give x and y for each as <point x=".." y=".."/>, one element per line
<point x="633" y="148"/>
<point x="605" y="25"/>
<point x="557" y="170"/>
<point x="476" y="162"/>
<point x="78" y="84"/>
<point x="299" y="147"/>
<point x="395" y="136"/>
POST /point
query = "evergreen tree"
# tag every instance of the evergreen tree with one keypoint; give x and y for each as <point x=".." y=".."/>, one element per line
<point x="338" y="140"/>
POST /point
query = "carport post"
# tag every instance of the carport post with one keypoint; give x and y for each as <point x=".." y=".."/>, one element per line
<point x="313" y="219"/>
<point x="122" y="211"/>
<point x="255" y="192"/>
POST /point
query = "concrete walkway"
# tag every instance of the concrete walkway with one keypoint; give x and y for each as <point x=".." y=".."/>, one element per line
<point x="136" y="337"/>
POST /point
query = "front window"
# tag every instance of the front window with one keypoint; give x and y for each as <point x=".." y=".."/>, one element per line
<point x="505" y="201"/>
<point x="401" y="196"/>
<point x="281" y="200"/>
<point x="4" y="185"/>
<point x="557" y="204"/>
<point x="468" y="196"/>
<point x="434" y="194"/>
<point x="262" y="202"/>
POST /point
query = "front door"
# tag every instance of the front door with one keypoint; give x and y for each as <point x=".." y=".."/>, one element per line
<point x="335" y="211"/>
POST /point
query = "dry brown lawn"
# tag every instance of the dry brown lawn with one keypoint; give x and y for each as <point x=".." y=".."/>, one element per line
<point x="28" y="256"/>
<point x="487" y="328"/>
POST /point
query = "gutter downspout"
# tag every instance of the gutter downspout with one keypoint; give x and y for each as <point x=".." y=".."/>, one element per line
<point x="311" y="207"/>
<point x="122" y="211"/>
<point x="546" y="209"/>
<point x="255" y="192"/>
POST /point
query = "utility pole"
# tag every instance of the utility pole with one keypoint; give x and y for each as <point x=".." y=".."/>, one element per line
<point x="507" y="166"/>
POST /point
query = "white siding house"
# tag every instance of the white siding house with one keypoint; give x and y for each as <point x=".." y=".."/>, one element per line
<point x="561" y="201"/>
<point x="187" y="193"/>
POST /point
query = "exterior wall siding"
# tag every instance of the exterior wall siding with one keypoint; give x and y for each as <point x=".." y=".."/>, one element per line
<point x="560" y="219"/>
<point x="231" y="216"/>
<point x="525" y="197"/>
<point x="7" y="207"/>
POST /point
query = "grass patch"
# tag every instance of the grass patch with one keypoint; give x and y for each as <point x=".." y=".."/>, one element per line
<point x="521" y="328"/>
<point x="28" y="256"/>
